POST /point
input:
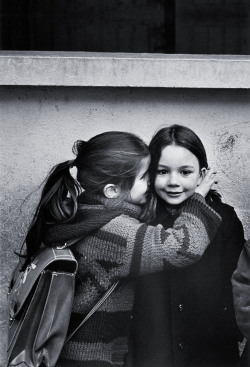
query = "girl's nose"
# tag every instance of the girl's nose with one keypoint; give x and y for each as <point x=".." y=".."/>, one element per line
<point x="173" y="179"/>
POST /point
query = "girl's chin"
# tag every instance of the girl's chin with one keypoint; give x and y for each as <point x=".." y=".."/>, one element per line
<point x="177" y="200"/>
<point x="174" y="200"/>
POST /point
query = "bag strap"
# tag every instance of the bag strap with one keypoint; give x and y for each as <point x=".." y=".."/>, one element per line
<point x="69" y="243"/>
<point x="93" y="310"/>
<point x="97" y="305"/>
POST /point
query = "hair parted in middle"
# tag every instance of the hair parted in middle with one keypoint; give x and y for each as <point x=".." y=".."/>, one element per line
<point x="184" y="137"/>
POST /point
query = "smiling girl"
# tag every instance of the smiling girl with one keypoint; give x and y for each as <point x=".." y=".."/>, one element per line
<point x="178" y="174"/>
<point x="185" y="317"/>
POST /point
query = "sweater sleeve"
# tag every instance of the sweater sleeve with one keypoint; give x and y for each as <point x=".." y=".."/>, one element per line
<point x="241" y="291"/>
<point x="151" y="248"/>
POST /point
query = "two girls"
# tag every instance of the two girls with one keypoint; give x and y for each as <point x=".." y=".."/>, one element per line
<point x="104" y="207"/>
<point x="185" y="317"/>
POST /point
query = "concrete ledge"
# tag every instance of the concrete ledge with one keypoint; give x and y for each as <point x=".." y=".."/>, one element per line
<point x="123" y="70"/>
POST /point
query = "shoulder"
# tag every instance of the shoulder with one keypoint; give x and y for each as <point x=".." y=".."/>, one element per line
<point x="230" y="219"/>
<point x="225" y="210"/>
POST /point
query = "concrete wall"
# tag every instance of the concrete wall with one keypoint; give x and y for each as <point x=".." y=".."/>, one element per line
<point x="40" y="124"/>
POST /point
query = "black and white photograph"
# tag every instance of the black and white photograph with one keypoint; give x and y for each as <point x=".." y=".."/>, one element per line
<point x="125" y="181"/>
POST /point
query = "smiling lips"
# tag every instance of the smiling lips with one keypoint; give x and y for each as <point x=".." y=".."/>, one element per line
<point x="171" y="193"/>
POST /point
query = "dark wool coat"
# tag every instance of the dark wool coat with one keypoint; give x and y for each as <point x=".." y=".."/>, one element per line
<point x="185" y="317"/>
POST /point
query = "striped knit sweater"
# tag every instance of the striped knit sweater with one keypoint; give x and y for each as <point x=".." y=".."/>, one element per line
<point x="115" y="245"/>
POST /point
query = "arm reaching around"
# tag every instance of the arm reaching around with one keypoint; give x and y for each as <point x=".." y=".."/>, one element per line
<point x="152" y="248"/>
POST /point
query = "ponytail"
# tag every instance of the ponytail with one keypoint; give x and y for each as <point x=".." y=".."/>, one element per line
<point x="54" y="206"/>
<point x="111" y="157"/>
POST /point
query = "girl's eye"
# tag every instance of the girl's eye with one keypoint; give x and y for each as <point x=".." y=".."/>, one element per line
<point x="186" y="172"/>
<point x="162" y="172"/>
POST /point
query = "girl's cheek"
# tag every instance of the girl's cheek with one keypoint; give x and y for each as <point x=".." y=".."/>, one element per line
<point x="192" y="185"/>
<point x="161" y="179"/>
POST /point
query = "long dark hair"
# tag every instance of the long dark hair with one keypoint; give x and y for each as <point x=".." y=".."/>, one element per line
<point x="111" y="157"/>
<point x="181" y="136"/>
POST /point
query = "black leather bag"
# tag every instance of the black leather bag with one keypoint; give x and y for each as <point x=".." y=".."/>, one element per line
<point x="40" y="302"/>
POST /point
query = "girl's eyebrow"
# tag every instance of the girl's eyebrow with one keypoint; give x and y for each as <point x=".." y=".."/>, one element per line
<point x="162" y="166"/>
<point x="187" y="166"/>
<point x="181" y="167"/>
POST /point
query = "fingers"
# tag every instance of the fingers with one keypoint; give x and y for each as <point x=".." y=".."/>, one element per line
<point x="207" y="182"/>
<point x="209" y="175"/>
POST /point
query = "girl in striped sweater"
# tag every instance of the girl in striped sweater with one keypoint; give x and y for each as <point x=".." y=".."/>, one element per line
<point x="104" y="207"/>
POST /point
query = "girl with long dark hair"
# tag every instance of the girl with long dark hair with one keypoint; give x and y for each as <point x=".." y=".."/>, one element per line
<point x="185" y="317"/>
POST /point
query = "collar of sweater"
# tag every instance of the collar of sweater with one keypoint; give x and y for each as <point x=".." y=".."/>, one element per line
<point x="170" y="209"/>
<point x="94" y="212"/>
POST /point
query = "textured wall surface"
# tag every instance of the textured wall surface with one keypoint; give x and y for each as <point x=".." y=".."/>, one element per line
<point x="40" y="124"/>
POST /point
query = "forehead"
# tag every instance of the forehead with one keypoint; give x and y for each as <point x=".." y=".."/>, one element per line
<point x="144" y="164"/>
<point x="174" y="155"/>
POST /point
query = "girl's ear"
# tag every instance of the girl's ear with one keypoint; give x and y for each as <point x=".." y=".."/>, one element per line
<point x="111" y="191"/>
<point x="202" y="175"/>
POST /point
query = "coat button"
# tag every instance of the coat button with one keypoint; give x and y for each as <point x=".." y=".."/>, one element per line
<point x="180" y="346"/>
<point x="180" y="307"/>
